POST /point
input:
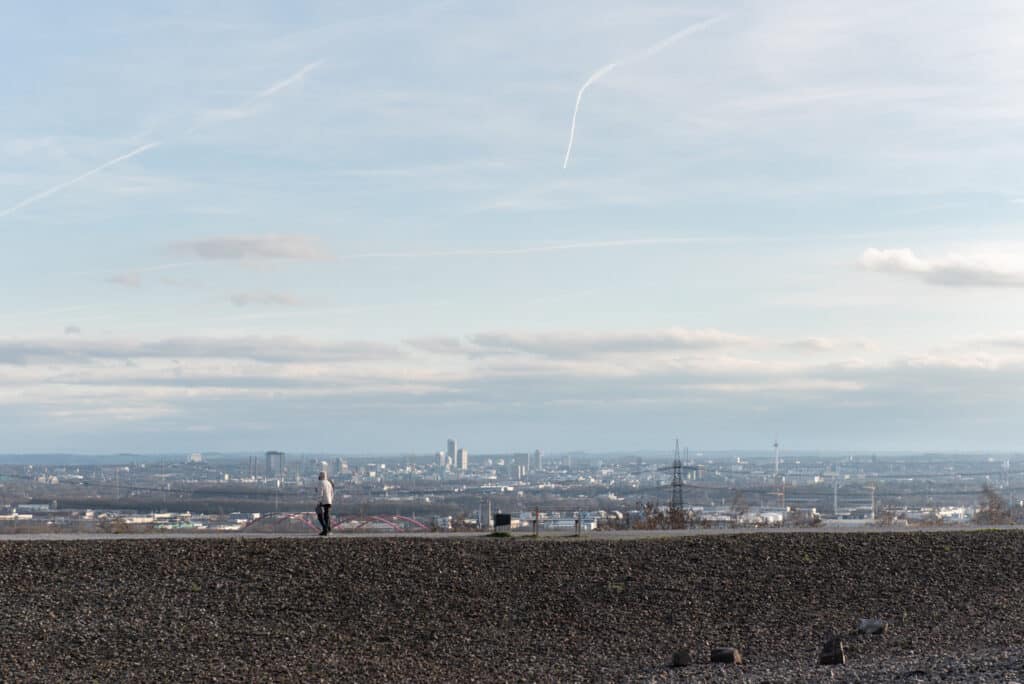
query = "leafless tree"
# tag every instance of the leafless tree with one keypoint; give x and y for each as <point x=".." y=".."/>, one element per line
<point x="993" y="509"/>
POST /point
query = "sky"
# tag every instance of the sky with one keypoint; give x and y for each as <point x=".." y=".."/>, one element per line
<point x="361" y="228"/>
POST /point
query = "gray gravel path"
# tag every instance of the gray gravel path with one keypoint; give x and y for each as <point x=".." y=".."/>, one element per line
<point x="476" y="609"/>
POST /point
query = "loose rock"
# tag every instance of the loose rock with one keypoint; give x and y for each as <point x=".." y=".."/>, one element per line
<point x="833" y="652"/>
<point x="730" y="656"/>
<point x="872" y="626"/>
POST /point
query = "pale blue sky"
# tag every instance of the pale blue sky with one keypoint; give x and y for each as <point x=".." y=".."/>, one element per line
<point x="347" y="227"/>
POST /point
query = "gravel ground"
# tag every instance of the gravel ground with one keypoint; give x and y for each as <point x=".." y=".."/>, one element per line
<point x="480" y="609"/>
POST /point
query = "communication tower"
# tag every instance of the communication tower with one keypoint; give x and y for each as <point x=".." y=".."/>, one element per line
<point x="677" y="480"/>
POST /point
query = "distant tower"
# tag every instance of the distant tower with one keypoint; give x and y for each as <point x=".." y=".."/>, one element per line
<point x="677" y="480"/>
<point x="835" y="493"/>
<point x="453" y="450"/>
<point x="485" y="514"/>
<point x="776" y="445"/>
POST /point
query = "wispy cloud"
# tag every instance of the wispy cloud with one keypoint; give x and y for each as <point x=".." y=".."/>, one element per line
<point x="131" y="279"/>
<point x="815" y="344"/>
<point x="254" y="247"/>
<point x="1013" y="339"/>
<point x="142" y="269"/>
<point x="580" y="344"/>
<point x="529" y="249"/>
<point x="264" y="299"/>
<point x="953" y="270"/>
<point x="264" y="349"/>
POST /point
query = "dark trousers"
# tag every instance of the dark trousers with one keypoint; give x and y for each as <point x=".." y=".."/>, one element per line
<point x="323" y="516"/>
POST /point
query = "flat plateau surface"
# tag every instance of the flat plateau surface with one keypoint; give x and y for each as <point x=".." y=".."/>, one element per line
<point x="254" y="608"/>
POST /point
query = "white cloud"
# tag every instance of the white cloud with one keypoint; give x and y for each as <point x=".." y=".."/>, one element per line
<point x="817" y="344"/>
<point x="264" y="349"/>
<point x="1012" y="340"/>
<point x="953" y="270"/>
<point x="582" y="344"/>
<point x="529" y="249"/>
<point x="254" y="247"/>
<point x="130" y="279"/>
<point x="264" y="299"/>
<point x="440" y="345"/>
<point x="73" y="380"/>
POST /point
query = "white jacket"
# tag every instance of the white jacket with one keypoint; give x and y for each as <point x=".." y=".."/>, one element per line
<point x="324" y="492"/>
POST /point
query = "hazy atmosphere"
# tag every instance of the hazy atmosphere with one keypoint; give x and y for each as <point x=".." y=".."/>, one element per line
<point x="592" y="225"/>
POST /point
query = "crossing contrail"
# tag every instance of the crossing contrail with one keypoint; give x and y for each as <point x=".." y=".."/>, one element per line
<point x="267" y="92"/>
<point x="66" y="184"/>
<point x="579" y="96"/>
<point x="638" y="57"/>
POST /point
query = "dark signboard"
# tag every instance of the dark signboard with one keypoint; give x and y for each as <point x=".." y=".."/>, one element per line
<point x="502" y="522"/>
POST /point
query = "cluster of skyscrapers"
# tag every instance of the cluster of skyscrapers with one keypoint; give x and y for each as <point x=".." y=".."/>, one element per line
<point x="453" y="458"/>
<point x="517" y="466"/>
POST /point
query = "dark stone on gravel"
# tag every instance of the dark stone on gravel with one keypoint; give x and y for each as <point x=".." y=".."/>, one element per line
<point x="872" y="626"/>
<point x="833" y="652"/>
<point x="730" y="656"/>
<point x="682" y="658"/>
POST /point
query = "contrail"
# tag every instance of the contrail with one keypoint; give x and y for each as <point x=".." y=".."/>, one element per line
<point x="640" y="56"/>
<point x="579" y="96"/>
<point x="268" y="92"/>
<point x="66" y="184"/>
<point x="535" y="249"/>
<point x="144" y="269"/>
<point x="281" y="85"/>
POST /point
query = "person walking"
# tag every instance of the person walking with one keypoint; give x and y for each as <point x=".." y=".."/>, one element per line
<point x="324" y="499"/>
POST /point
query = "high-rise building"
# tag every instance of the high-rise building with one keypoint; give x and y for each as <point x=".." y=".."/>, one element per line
<point x="275" y="463"/>
<point x="441" y="460"/>
<point x="538" y="460"/>
<point x="523" y="460"/>
<point x="462" y="462"/>
<point x="451" y="453"/>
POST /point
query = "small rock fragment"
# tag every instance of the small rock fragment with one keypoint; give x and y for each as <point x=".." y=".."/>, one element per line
<point x="682" y="658"/>
<point x="833" y="652"/>
<point x="726" y="655"/>
<point x="871" y="626"/>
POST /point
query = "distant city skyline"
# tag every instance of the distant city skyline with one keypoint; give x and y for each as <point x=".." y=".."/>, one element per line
<point x="355" y="229"/>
